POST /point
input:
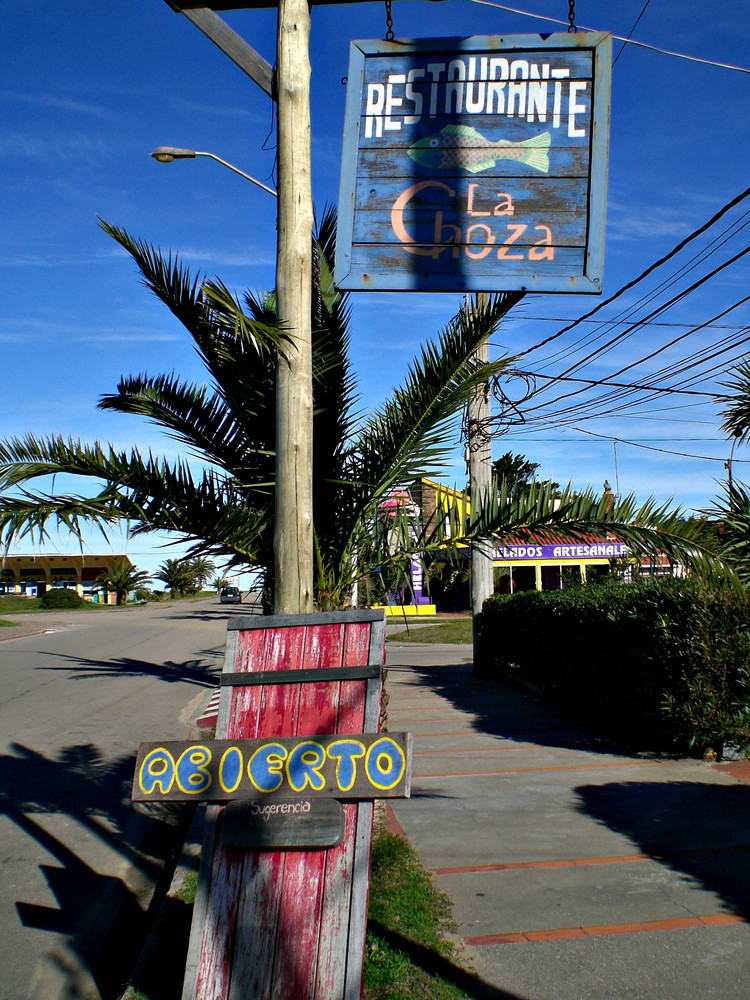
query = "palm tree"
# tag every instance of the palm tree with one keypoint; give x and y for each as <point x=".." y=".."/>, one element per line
<point x="178" y="576"/>
<point x="121" y="578"/>
<point x="225" y="507"/>
<point x="202" y="568"/>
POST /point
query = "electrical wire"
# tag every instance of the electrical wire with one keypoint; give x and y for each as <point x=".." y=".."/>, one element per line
<point x="649" y="270"/>
<point x="619" y="38"/>
<point x="637" y="20"/>
<point x="664" y="451"/>
<point x="624" y="385"/>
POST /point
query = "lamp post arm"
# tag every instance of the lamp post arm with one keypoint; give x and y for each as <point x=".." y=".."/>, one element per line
<point x="237" y="170"/>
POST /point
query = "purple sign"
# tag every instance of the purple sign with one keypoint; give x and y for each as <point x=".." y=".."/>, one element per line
<point x="588" y="550"/>
<point x="417" y="582"/>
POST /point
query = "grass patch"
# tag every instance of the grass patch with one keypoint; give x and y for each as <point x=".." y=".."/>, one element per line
<point x="186" y="892"/>
<point x="4" y="624"/>
<point x="455" y="631"/>
<point x="13" y="604"/>
<point x="406" y="949"/>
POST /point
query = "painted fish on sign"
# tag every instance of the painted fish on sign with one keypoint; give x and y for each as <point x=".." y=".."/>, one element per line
<point x="445" y="139"/>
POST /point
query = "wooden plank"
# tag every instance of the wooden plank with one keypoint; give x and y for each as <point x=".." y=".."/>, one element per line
<point x="265" y="622"/>
<point x="298" y="676"/>
<point x="359" y="900"/>
<point x="257" y="928"/>
<point x="299" y="918"/>
<point x="566" y="273"/>
<point x="394" y="164"/>
<point x="336" y="912"/>
<point x="220" y="922"/>
<point x="233" y="45"/>
<point x="263" y="886"/>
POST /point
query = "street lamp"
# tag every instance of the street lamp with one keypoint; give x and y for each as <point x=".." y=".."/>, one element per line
<point x="165" y="154"/>
<point x="293" y="532"/>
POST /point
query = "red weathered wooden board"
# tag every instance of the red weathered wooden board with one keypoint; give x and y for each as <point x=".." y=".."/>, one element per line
<point x="276" y="925"/>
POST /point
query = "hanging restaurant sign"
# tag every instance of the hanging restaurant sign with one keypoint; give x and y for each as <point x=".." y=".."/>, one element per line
<point x="475" y="164"/>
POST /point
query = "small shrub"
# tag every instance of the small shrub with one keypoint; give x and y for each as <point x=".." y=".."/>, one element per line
<point x="59" y="597"/>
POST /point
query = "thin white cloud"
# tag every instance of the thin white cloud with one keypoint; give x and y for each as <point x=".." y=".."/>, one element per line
<point x="51" y="147"/>
<point x="57" y="103"/>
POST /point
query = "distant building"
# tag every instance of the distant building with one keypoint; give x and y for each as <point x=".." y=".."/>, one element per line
<point x="33" y="575"/>
<point x="541" y="561"/>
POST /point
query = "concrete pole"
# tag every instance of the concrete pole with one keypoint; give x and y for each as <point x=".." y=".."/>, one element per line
<point x="480" y="483"/>
<point x="293" y="548"/>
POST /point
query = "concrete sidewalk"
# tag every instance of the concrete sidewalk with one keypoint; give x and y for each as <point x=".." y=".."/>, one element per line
<point x="577" y="871"/>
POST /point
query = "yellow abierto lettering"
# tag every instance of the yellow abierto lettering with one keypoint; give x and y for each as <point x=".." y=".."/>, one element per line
<point x="193" y="776"/>
<point x="157" y="769"/>
<point x="345" y="753"/>
<point x="230" y="769"/>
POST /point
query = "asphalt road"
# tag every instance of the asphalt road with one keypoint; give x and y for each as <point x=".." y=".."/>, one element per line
<point x="78" y="862"/>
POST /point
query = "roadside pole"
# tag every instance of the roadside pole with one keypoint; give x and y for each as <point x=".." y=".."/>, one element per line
<point x="480" y="483"/>
<point x="293" y="545"/>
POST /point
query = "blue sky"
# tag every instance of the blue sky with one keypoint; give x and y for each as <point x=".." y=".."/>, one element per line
<point x="90" y="87"/>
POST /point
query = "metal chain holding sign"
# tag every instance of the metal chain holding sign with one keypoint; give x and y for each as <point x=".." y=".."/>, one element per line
<point x="572" y="16"/>
<point x="388" y="22"/>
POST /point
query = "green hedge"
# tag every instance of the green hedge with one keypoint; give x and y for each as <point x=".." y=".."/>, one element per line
<point x="663" y="664"/>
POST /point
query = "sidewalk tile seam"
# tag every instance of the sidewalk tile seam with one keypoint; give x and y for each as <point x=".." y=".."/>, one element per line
<point x="606" y="930"/>
<point x="512" y="866"/>
<point x="538" y="770"/>
<point x="454" y="753"/>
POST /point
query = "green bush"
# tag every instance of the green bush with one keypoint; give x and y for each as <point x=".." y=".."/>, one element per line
<point x="664" y="663"/>
<point x="59" y="597"/>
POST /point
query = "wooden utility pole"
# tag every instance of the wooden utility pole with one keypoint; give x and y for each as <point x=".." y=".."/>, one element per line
<point x="293" y="546"/>
<point x="480" y="483"/>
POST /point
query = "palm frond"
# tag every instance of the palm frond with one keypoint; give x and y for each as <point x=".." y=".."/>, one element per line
<point x="736" y="411"/>
<point x="409" y="434"/>
<point x="203" y="421"/>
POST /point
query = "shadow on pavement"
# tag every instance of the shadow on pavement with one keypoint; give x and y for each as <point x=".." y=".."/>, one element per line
<point x="697" y="828"/>
<point x="505" y="709"/>
<point x="101" y="916"/>
<point x="198" y="672"/>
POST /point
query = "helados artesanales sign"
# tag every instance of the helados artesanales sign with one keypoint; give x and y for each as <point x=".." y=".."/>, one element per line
<point x="475" y="164"/>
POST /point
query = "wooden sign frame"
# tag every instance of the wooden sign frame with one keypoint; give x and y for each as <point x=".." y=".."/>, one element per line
<point x="475" y="164"/>
<point x="289" y="923"/>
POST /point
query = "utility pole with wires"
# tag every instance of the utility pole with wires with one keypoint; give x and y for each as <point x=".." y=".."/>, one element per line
<point x="479" y="448"/>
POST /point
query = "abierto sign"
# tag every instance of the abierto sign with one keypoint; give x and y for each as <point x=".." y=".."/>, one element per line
<point x="351" y="767"/>
<point x="475" y="164"/>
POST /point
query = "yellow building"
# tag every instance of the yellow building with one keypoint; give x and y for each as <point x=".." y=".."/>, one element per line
<point x="541" y="561"/>
<point x="32" y="575"/>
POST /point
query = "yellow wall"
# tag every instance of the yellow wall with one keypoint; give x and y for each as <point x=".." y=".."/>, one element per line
<point x="49" y="566"/>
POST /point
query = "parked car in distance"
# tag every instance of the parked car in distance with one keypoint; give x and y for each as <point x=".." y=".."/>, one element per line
<point x="230" y="595"/>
